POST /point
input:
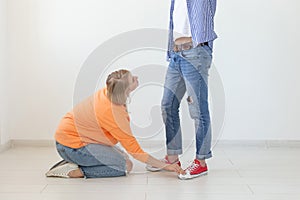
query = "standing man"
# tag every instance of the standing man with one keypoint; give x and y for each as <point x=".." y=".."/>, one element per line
<point x="191" y="36"/>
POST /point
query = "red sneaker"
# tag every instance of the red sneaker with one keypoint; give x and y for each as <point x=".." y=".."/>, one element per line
<point x="165" y="160"/>
<point x="193" y="171"/>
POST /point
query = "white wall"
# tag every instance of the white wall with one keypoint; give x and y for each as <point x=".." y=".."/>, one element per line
<point x="256" y="56"/>
<point x="4" y="135"/>
<point x="49" y="41"/>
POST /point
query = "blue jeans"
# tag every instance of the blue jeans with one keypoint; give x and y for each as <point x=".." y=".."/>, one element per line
<point x="95" y="160"/>
<point x="188" y="72"/>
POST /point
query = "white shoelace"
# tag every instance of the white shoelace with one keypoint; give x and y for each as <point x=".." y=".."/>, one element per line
<point x="193" y="167"/>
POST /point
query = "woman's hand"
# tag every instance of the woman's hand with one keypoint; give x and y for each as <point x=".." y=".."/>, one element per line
<point x="174" y="168"/>
<point x="162" y="165"/>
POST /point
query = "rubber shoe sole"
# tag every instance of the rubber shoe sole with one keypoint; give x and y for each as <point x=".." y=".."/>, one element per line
<point x="62" y="171"/>
<point x="189" y="176"/>
<point x="153" y="169"/>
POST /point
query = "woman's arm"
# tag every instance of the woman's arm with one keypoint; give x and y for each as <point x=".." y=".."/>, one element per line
<point x="122" y="132"/>
<point x="129" y="142"/>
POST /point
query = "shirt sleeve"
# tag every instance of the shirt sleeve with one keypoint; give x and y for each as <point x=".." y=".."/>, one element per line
<point x="122" y="132"/>
<point x="130" y="143"/>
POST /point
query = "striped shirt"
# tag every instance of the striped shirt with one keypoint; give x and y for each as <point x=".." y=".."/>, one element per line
<point x="201" y="16"/>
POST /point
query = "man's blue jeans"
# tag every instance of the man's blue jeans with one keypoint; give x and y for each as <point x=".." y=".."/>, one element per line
<point x="95" y="160"/>
<point x="188" y="72"/>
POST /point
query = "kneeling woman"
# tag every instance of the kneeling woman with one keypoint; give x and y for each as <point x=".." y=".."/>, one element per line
<point x="87" y="135"/>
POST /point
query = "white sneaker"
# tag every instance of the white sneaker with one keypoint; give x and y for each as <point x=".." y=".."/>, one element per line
<point x="62" y="162"/>
<point x="62" y="171"/>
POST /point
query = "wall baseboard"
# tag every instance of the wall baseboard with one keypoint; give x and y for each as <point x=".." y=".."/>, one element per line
<point x="260" y="143"/>
<point x="6" y="146"/>
<point x="33" y="143"/>
<point x="220" y="143"/>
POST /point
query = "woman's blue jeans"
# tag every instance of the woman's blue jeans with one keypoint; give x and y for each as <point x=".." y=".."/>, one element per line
<point x="188" y="72"/>
<point x="95" y="160"/>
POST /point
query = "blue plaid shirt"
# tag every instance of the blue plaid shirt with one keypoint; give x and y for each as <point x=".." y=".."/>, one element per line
<point x="201" y="16"/>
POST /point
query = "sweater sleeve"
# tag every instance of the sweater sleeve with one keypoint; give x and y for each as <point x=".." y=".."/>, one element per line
<point x="129" y="142"/>
<point x="114" y="119"/>
<point x="121" y="131"/>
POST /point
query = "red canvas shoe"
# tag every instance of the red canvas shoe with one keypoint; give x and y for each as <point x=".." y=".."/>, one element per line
<point x="165" y="160"/>
<point x="193" y="171"/>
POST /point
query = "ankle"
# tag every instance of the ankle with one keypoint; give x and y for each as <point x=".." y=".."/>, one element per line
<point x="172" y="158"/>
<point x="202" y="162"/>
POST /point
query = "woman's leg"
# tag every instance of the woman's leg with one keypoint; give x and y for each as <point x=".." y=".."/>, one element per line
<point x="95" y="160"/>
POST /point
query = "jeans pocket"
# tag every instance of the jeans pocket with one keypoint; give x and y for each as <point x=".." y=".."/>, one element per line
<point x="191" y="54"/>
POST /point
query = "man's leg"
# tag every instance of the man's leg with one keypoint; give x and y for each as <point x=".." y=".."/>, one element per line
<point x="174" y="90"/>
<point x="195" y="71"/>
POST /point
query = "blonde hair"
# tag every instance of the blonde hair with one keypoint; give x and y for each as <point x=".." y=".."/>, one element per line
<point x="117" y="84"/>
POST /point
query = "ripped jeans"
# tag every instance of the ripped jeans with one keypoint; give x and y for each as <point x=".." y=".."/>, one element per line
<point x="188" y="72"/>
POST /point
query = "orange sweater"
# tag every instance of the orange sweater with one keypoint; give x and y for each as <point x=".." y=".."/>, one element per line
<point x="97" y="120"/>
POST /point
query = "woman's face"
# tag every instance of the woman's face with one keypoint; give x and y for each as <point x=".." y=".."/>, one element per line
<point x="133" y="82"/>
